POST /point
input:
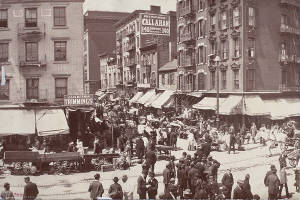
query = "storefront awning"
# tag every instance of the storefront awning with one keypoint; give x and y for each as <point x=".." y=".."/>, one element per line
<point x="136" y="97"/>
<point x="293" y="107"/>
<point x="277" y="108"/>
<point x="51" y="122"/>
<point x="254" y="106"/>
<point x="208" y="103"/>
<point x="17" y="122"/>
<point x="232" y="105"/>
<point x="170" y="103"/>
<point x="152" y="99"/>
<point x="162" y="99"/>
<point x="146" y="97"/>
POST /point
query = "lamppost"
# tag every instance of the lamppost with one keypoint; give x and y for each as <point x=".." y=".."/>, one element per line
<point x="217" y="62"/>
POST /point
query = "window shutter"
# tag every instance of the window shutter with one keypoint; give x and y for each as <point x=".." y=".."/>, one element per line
<point x="231" y="17"/>
<point x="197" y="29"/>
<point x="227" y="48"/>
<point x="240" y="47"/>
<point x="240" y="15"/>
<point x="219" y="20"/>
<point x="197" y="55"/>
<point x="204" y="28"/>
<point x="204" y="49"/>
<point x="203" y="4"/>
<point x="227" y="18"/>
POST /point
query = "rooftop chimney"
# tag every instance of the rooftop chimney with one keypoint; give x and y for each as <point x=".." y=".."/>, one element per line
<point x="155" y="9"/>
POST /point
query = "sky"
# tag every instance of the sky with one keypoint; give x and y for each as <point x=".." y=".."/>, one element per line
<point x="129" y="5"/>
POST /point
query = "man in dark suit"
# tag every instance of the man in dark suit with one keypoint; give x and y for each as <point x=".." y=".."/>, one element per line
<point x="96" y="188"/>
<point x="142" y="184"/>
<point x="269" y="173"/>
<point x="238" y="192"/>
<point x="167" y="175"/>
<point x="30" y="190"/>
<point x="153" y="186"/>
<point x="151" y="158"/>
<point x="140" y="148"/>
<point x="227" y="181"/>
<point x="192" y="176"/>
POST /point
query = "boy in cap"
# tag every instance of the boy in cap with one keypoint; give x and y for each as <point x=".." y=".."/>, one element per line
<point x="7" y="194"/>
<point x="115" y="190"/>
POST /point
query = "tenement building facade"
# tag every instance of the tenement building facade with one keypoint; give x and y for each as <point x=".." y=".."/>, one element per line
<point x="239" y="49"/>
<point x="41" y="48"/>
<point x="142" y="46"/>
<point x="257" y="43"/>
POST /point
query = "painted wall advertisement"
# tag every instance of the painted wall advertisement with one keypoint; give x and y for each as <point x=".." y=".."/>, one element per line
<point x="155" y="24"/>
<point x="75" y="100"/>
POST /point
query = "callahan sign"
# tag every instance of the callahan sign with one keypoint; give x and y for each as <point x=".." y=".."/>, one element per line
<point x="155" y="24"/>
<point x="75" y="100"/>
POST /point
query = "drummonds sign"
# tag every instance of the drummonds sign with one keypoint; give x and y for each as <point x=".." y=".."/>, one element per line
<point x="156" y="24"/>
<point x="74" y="100"/>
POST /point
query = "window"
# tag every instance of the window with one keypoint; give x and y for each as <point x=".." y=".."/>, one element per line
<point x="236" y="48"/>
<point x="172" y="78"/>
<point x="251" y="48"/>
<point x="251" y="79"/>
<point x="201" y="4"/>
<point x="201" y="28"/>
<point x="296" y="19"/>
<point x="236" y="16"/>
<point x="137" y="26"/>
<point x="213" y="21"/>
<point x="32" y="88"/>
<point x="3" y="52"/>
<point x="60" y="50"/>
<point x="223" y="20"/>
<point x="163" y="79"/>
<point x="201" y="58"/>
<point x="212" y="2"/>
<point x="284" y="20"/>
<point x="251" y="16"/>
<point x="223" y="79"/>
<point x="138" y="75"/>
<point x="109" y="80"/>
<point x="4" y="91"/>
<point x="224" y="49"/>
<point x="85" y="60"/>
<point x="283" y="53"/>
<point x="59" y="16"/>
<point x="201" y="81"/>
<point x="31" y="51"/>
<point x="84" y="45"/>
<point x="30" y="17"/>
<point x="213" y="48"/>
<point x="3" y="18"/>
<point x="212" y="80"/>
<point x="61" y="87"/>
<point x="236" y="79"/>
<point x="138" y="42"/>
<point x="284" y="78"/>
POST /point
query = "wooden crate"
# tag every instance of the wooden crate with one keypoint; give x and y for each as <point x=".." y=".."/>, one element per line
<point x="106" y="168"/>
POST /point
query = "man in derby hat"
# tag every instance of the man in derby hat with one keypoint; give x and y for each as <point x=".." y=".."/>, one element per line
<point x="152" y="186"/>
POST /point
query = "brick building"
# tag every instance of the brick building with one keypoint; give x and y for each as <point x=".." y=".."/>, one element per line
<point x="141" y="54"/>
<point x="99" y="37"/>
<point x="41" y="48"/>
<point x="257" y="42"/>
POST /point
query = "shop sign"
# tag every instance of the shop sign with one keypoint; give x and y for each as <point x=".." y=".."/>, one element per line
<point x="75" y="100"/>
<point x="156" y="24"/>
